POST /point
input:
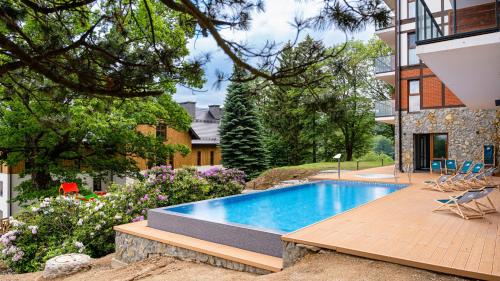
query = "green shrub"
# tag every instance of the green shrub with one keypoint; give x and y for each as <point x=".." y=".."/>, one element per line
<point x="382" y="144"/>
<point x="372" y="156"/>
<point x="59" y="225"/>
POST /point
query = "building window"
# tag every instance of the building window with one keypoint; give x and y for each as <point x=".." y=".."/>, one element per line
<point x="212" y="158"/>
<point x="411" y="9"/>
<point x="439" y="146"/>
<point x="198" y="158"/>
<point x="1" y="188"/>
<point x="161" y="132"/>
<point x="412" y="49"/>
<point x="414" y="95"/>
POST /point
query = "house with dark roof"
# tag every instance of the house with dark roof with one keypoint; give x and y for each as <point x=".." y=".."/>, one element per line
<point x="202" y="138"/>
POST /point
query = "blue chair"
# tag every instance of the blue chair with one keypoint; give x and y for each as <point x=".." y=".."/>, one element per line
<point x="451" y="166"/>
<point x="436" y="166"/>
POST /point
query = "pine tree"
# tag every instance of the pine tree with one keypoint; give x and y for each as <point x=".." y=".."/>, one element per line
<point x="241" y="133"/>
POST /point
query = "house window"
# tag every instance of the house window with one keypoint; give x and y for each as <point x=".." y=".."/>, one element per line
<point x="161" y="132"/>
<point x="212" y="158"/>
<point x="414" y="95"/>
<point x="198" y="158"/>
<point x="1" y="188"/>
<point x="412" y="49"/>
<point x="411" y="9"/>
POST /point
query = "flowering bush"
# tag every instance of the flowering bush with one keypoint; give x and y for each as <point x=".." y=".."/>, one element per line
<point x="59" y="225"/>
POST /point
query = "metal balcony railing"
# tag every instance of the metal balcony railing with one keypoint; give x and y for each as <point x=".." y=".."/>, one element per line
<point x="384" y="108"/>
<point x="382" y="26"/>
<point x="464" y="19"/>
<point x="385" y="64"/>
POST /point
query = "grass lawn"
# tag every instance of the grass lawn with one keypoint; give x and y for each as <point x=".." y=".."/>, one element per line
<point x="346" y="165"/>
<point x="276" y="175"/>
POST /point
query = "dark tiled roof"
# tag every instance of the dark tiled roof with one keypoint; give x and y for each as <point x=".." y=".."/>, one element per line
<point x="206" y="126"/>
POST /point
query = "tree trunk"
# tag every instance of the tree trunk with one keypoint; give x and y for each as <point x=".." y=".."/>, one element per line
<point x="40" y="179"/>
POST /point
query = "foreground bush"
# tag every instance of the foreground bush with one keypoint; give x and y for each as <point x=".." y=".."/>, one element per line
<point x="59" y="225"/>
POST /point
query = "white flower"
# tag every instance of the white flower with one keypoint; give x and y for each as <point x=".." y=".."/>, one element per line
<point x="33" y="228"/>
<point x="80" y="222"/>
<point x="118" y="217"/>
<point x="97" y="227"/>
<point x="34" y="209"/>
<point x="78" y="244"/>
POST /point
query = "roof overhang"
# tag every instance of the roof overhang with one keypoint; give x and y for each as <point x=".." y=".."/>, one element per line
<point x="469" y="66"/>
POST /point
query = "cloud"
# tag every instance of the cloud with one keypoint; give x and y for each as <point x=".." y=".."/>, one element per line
<point x="273" y="25"/>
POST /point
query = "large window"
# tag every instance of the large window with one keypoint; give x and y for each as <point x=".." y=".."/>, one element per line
<point x="412" y="49"/>
<point x="411" y="9"/>
<point x="414" y="95"/>
<point x="440" y="146"/>
<point x="161" y="132"/>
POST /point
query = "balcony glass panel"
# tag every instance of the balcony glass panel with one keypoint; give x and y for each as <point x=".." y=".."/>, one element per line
<point x="384" y="108"/>
<point x="466" y="18"/>
<point x="384" y="64"/>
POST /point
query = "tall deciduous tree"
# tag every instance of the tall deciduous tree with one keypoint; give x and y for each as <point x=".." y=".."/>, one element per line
<point x="58" y="135"/>
<point x="240" y="132"/>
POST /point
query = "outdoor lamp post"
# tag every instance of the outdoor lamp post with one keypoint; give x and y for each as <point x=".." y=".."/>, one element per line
<point x="337" y="156"/>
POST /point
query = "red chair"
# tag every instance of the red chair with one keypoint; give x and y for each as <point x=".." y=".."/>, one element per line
<point x="68" y="188"/>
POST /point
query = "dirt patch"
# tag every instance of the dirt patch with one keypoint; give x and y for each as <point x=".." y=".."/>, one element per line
<point x="274" y="176"/>
<point x="325" y="266"/>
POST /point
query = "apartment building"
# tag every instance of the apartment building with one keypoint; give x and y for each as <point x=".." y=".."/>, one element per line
<point x="445" y="70"/>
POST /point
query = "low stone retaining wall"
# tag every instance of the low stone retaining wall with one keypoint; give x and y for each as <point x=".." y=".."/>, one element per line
<point x="131" y="248"/>
<point x="293" y="252"/>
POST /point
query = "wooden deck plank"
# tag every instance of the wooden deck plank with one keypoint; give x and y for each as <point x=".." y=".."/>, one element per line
<point x="402" y="228"/>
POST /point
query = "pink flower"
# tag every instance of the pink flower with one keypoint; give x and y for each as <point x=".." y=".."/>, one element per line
<point x="139" y="218"/>
<point x="162" y="197"/>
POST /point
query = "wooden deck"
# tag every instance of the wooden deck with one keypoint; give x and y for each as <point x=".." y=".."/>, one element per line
<point x="402" y="228"/>
<point x="262" y="261"/>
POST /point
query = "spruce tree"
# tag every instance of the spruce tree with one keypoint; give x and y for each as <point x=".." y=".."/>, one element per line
<point x="241" y="133"/>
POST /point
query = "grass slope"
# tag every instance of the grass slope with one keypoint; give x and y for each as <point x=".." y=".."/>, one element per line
<point x="276" y="175"/>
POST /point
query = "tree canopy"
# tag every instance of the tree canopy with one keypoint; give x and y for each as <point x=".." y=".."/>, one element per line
<point x="57" y="136"/>
<point x="138" y="47"/>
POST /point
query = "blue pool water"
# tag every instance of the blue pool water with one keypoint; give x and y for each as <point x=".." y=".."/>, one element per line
<point x="287" y="209"/>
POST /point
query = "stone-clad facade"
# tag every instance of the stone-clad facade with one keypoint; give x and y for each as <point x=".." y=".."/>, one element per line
<point x="468" y="130"/>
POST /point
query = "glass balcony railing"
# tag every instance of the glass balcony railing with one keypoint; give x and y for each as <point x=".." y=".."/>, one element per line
<point x="466" y="18"/>
<point x="384" y="108"/>
<point x="385" y="64"/>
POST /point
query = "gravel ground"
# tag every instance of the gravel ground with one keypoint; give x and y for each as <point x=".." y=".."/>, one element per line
<point x="327" y="266"/>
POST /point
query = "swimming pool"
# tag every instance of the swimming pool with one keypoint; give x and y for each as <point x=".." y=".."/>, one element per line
<point x="266" y="215"/>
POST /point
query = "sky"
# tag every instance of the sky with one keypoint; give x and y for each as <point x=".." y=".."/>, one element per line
<point x="273" y="25"/>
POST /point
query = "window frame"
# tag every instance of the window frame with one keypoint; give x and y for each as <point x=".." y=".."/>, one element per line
<point x="408" y="4"/>
<point x="198" y="158"/>
<point x="410" y="94"/>
<point x="161" y="131"/>
<point x="411" y="47"/>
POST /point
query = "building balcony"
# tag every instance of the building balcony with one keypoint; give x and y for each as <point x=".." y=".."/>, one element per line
<point x="464" y="49"/>
<point x="387" y="33"/>
<point x="385" y="69"/>
<point x="384" y="111"/>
